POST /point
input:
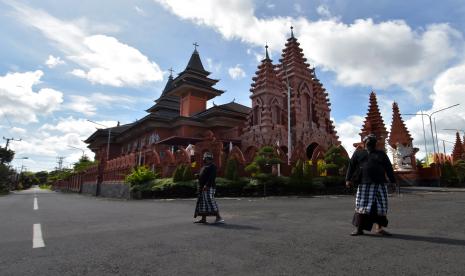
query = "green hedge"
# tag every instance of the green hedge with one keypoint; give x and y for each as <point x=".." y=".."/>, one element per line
<point x="262" y="184"/>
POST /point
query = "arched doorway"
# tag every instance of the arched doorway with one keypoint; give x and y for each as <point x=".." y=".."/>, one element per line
<point x="311" y="150"/>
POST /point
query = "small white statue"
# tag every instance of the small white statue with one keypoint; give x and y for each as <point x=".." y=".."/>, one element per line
<point x="402" y="156"/>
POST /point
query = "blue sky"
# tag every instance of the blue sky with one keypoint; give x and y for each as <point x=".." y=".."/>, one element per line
<point x="64" y="62"/>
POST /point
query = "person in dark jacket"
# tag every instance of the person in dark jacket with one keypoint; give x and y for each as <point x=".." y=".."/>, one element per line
<point x="206" y="203"/>
<point x="369" y="167"/>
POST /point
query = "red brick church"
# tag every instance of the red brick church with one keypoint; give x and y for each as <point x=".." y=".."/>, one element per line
<point x="179" y="127"/>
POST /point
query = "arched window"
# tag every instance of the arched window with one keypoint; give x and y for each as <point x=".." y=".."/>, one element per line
<point x="275" y="112"/>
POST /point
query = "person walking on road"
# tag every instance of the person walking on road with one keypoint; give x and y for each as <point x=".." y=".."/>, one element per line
<point x="206" y="203"/>
<point x="369" y="167"/>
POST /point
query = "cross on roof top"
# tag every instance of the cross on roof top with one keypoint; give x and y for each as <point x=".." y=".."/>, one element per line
<point x="195" y="45"/>
<point x="171" y="71"/>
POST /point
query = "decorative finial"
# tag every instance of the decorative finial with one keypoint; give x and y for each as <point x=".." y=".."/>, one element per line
<point x="234" y="100"/>
<point x="266" y="51"/>
<point x="171" y="71"/>
<point x="195" y="46"/>
<point x="292" y="32"/>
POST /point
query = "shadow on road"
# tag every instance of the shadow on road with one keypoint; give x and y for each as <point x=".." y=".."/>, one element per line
<point x="426" y="239"/>
<point x="234" y="226"/>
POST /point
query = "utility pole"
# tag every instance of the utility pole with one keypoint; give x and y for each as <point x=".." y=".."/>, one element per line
<point x="60" y="163"/>
<point x="8" y="141"/>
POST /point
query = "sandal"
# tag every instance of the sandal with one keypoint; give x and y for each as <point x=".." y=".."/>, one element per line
<point x="357" y="233"/>
<point x="383" y="233"/>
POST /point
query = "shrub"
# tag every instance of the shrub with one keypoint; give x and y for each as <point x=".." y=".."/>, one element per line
<point x="140" y="179"/>
<point x="335" y="161"/>
<point x="307" y="170"/>
<point x="297" y="172"/>
<point x="187" y="174"/>
<point x="449" y="176"/>
<point x="263" y="161"/>
<point x="321" y="168"/>
<point x="178" y="173"/>
<point x="166" y="187"/>
<point x="459" y="168"/>
<point x="231" y="170"/>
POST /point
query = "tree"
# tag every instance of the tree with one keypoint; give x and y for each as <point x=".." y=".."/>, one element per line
<point x="83" y="163"/>
<point x="27" y="179"/>
<point x="6" y="155"/>
<point x="263" y="162"/>
<point x="335" y="161"/>
<point x="42" y="176"/>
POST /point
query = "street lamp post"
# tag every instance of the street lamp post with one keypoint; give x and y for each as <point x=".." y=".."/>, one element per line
<point x="431" y="128"/>
<point x="21" y="170"/>
<point x="431" y="122"/>
<point x="77" y="149"/>
<point x="109" y="135"/>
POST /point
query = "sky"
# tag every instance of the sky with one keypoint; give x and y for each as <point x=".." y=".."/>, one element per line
<point x="63" y="63"/>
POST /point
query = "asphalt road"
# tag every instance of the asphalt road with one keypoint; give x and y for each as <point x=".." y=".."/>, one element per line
<point x="85" y="235"/>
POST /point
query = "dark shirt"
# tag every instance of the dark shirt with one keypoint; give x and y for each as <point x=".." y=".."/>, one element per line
<point x="374" y="166"/>
<point x="207" y="176"/>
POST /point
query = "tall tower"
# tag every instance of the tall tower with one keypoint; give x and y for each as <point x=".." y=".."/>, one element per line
<point x="374" y="124"/>
<point x="266" y="123"/>
<point x="166" y="106"/>
<point x="311" y="126"/>
<point x="457" y="152"/>
<point x="312" y="131"/>
<point x="401" y="142"/>
<point x="193" y="87"/>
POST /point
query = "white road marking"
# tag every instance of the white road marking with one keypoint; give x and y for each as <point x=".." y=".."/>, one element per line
<point x="36" y="206"/>
<point x="37" y="240"/>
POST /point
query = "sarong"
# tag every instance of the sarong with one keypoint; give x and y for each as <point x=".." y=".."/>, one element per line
<point x="206" y="203"/>
<point x="371" y="206"/>
<point x="369" y="195"/>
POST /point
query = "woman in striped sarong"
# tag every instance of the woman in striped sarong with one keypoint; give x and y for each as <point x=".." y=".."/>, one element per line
<point x="206" y="203"/>
<point x="371" y="204"/>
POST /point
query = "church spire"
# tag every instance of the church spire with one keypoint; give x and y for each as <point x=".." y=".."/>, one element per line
<point x="266" y="52"/>
<point x="195" y="63"/>
<point x="292" y="58"/>
<point x="265" y="77"/>
<point x="399" y="133"/>
<point x="457" y="152"/>
<point x="374" y="123"/>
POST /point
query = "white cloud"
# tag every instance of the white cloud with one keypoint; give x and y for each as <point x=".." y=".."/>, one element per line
<point x="213" y="66"/>
<point x="52" y="61"/>
<point x="323" y="11"/>
<point x="88" y="105"/>
<point x="81" y="104"/>
<point x="18" y="131"/>
<point x="348" y="132"/>
<point x="101" y="59"/>
<point x="362" y="53"/>
<point x="297" y="7"/>
<point x="80" y="126"/>
<point x="140" y="11"/>
<point x="270" y="6"/>
<point x="236" y="72"/>
<point x="449" y="90"/>
<point x="44" y="144"/>
<point x="21" y="103"/>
